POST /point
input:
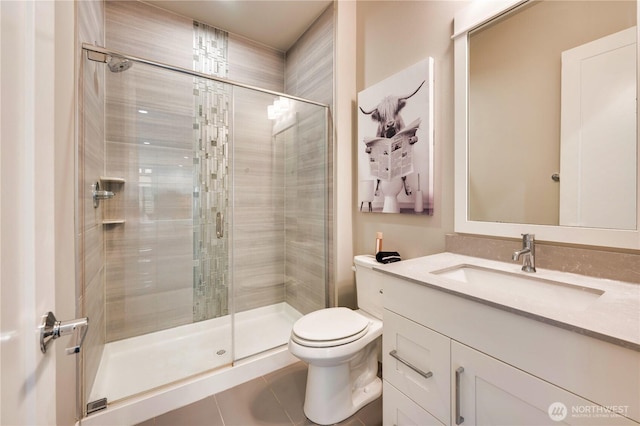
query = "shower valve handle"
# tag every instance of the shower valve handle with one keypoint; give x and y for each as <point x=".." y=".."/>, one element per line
<point x="97" y="194"/>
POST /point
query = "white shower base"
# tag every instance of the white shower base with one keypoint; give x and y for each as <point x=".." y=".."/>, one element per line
<point x="139" y="364"/>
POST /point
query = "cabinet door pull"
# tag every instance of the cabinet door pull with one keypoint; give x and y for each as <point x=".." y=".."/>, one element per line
<point x="395" y="355"/>
<point x="459" y="418"/>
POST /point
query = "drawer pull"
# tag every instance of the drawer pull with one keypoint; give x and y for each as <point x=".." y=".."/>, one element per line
<point x="395" y="355"/>
<point x="459" y="418"/>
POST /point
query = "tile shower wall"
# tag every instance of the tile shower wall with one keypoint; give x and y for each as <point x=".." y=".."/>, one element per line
<point x="145" y="289"/>
<point x="254" y="64"/>
<point x="309" y="74"/>
<point x="90" y="270"/>
<point x="149" y="257"/>
<point x="258" y="206"/>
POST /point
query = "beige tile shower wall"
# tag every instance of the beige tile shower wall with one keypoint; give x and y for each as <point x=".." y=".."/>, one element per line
<point x="258" y="238"/>
<point x="258" y="214"/>
<point x="90" y="266"/>
<point x="309" y="62"/>
<point x="254" y="64"/>
<point x="149" y="257"/>
<point x="143" y="30"/>
<point x="309" y="74"/>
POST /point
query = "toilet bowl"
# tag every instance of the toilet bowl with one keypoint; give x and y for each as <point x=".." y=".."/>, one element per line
<point x="341" y="347"/>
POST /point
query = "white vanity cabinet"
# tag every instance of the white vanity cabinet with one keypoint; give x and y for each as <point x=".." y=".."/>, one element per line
<point x="450" y="360"/>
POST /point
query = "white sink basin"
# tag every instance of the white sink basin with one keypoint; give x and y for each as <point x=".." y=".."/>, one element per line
<point x="524" y="286"/>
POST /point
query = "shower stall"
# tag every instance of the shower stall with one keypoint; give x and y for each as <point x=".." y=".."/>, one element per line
<point x="202" y="222"/>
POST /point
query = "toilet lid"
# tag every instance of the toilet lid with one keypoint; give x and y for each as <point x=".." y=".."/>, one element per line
<point x="330" y="325"/>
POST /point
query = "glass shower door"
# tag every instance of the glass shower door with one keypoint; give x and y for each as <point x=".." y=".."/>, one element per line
<point x="280" y="217"/>
<point x="211" y="237"/>
<point x="156" y="263"/>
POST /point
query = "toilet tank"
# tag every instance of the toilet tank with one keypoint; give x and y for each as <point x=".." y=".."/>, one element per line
<point x="368" y="285"/>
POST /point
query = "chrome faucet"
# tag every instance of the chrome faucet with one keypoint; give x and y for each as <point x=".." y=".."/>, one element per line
<point x="529" y="252"/>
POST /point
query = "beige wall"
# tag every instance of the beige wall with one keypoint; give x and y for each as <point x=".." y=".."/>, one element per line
<point x="343" y="129"/>
<point x="391" y="36"/>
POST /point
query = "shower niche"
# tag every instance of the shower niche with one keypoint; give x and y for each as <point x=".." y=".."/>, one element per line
<point x="113" y="210"/>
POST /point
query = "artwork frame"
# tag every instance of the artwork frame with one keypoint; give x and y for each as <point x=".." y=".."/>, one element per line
<point x="395" y="143"/>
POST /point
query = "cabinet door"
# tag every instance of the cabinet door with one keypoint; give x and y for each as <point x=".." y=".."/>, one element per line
<point x="494" y="393"/>
<point x="416" y="360"/>
<point x="399" y="410"/>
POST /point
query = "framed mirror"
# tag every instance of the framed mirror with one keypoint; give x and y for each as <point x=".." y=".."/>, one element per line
<point x="546" y="120"/>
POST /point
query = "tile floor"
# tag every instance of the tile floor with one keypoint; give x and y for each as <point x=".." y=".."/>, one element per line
<point x="275" y="399"/>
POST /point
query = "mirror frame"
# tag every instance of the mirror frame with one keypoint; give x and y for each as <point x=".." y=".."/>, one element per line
<point x="477" y="13"/>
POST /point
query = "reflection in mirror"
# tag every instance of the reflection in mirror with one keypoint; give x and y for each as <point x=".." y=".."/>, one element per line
<point x="552" y="91"/>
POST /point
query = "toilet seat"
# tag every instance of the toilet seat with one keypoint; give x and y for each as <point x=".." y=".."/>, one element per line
<point x="329" y="327"/>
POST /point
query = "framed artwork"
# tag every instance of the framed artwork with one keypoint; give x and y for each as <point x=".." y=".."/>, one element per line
<point x="395" y="143"/>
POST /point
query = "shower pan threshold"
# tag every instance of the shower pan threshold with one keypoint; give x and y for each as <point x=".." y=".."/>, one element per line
<point x="139" y="364"/>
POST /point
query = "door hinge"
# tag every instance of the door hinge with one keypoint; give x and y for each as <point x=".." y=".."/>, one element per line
<point x="96" y="405"/>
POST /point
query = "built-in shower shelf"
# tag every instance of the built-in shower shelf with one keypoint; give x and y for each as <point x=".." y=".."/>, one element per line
<point x="113" y="221"/>
<point x="113" y="210"/>
<point x="111" y="179"/>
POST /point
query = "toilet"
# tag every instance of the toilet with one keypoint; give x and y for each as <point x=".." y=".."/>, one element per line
<point x="341" y="347"/>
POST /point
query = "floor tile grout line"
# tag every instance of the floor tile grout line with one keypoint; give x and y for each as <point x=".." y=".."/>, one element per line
<point x="215" y="399"/>
<point x="275" y="395"/>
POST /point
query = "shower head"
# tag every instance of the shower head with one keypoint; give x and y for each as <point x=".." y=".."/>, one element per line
<point x="118" y="64"/>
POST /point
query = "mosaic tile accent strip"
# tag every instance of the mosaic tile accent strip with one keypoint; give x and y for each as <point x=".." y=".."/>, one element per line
<point x="211" y="174"/>
<point x="210" y="50"/>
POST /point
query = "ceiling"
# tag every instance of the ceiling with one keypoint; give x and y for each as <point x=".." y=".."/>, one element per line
<point x="275" y="23"/>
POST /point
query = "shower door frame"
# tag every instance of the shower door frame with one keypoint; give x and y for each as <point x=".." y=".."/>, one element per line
<point x="100" y="54"/>
<point x="92" y="50"/>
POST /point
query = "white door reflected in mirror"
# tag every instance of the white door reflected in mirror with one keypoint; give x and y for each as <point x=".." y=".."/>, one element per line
<point x="598" y="133"/>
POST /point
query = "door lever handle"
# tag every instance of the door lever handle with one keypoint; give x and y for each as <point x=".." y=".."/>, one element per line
<point x="51" y="329"/>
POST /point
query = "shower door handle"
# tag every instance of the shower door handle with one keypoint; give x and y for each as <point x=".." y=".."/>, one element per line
<point x="219" y="225"/>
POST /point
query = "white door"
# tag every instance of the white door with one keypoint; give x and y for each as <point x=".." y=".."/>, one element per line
<point x="495" y="393"/>
<point x="31" y="144"/>
<point x="598" y="133"/>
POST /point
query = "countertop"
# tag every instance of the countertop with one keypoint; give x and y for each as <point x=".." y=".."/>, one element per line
<point x="612" y="316"/>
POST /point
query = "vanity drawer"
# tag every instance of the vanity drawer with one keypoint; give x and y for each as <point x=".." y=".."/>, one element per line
<point x="398" y="409"/>
<point x="416" y="361"/>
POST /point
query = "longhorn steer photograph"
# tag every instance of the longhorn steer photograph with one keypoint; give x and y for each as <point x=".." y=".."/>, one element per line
<point x="395" y="159"/>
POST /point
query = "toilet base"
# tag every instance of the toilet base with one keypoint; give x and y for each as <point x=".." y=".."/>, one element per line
<point x="334" y="393"/>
